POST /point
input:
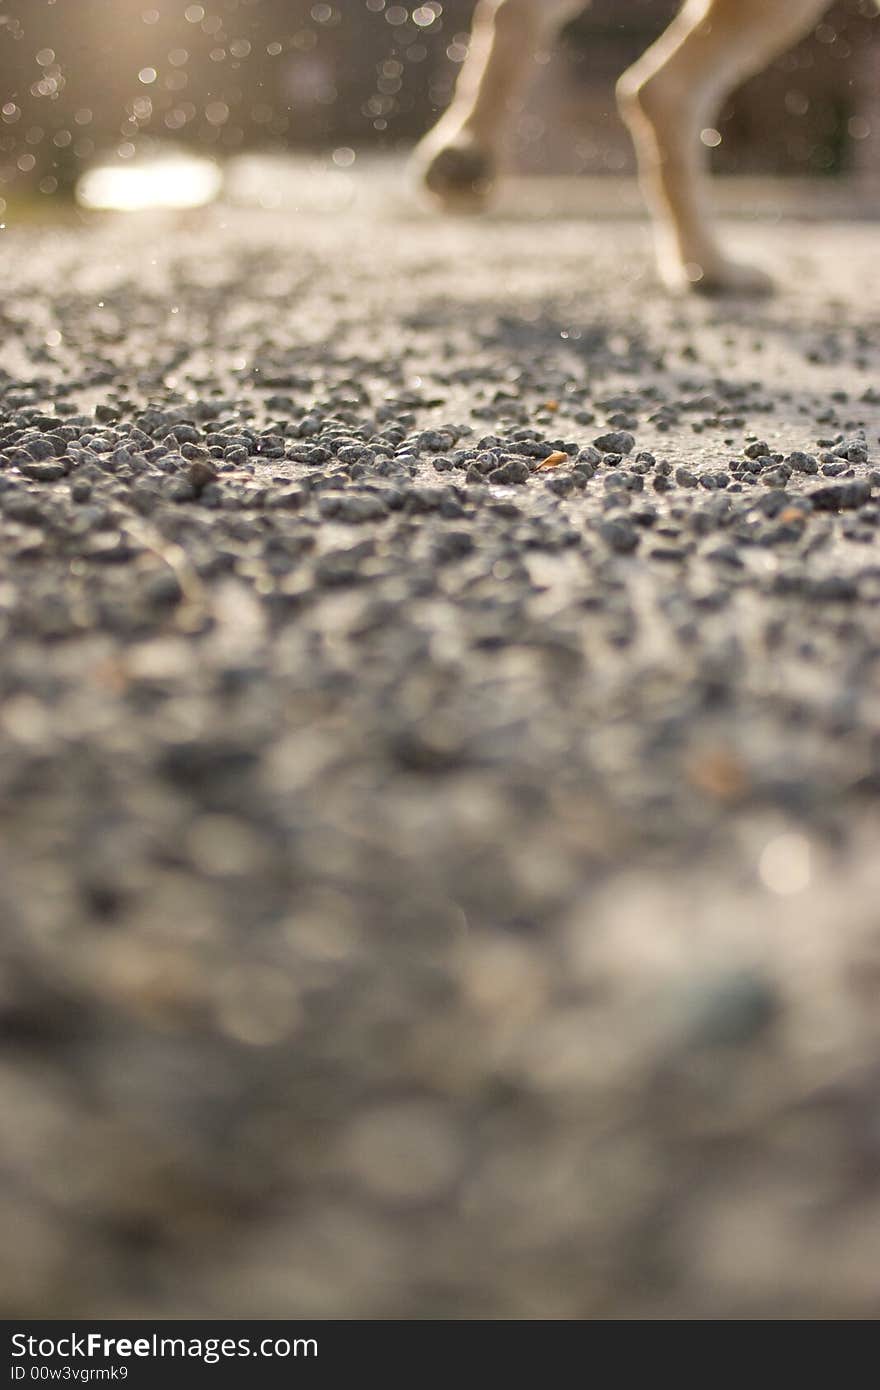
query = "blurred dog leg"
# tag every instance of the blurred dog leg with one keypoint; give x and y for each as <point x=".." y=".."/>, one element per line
<point x="457" y="160"/>
<point x="671" y="95"/>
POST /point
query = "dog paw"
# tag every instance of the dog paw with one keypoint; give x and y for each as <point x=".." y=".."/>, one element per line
<point x="459" y="174"/>
<point x="722" y="277"/>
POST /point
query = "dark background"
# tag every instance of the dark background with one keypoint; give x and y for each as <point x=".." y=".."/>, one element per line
<point x="234" y="74"/>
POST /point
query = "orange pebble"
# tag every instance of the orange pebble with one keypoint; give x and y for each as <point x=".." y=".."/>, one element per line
<point x="552" y="461"/>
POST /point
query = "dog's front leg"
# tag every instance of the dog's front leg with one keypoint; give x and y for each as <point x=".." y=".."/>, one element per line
<point x="672" y="95"/>
<point x="458" y="159"/>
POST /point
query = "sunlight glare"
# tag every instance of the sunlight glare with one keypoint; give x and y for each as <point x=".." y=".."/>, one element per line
<point x="180" y="182"/>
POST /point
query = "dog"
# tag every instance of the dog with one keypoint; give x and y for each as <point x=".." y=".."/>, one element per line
<point x="667" y="99"/>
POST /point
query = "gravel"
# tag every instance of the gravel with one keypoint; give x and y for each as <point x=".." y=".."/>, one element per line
<point x="433" y="885"/>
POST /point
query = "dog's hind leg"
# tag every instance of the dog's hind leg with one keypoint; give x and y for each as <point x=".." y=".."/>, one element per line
<point x="457" y="160"/>
<point x="672" y="95"/>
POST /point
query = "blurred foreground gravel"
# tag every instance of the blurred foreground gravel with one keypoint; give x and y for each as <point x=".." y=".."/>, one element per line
<point x="434" y="885"/>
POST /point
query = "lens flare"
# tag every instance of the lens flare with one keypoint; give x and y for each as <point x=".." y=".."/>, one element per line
<point x="179" y="182"/>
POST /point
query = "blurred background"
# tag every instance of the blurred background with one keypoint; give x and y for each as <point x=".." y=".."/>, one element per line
<point x="113" y="78"/>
